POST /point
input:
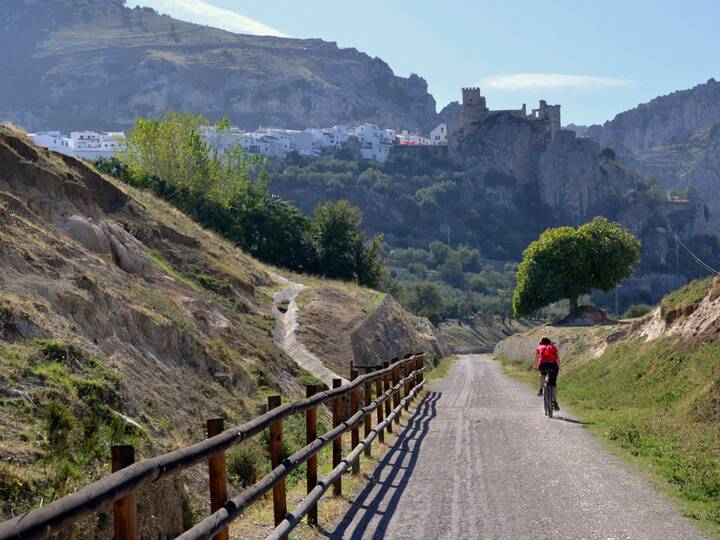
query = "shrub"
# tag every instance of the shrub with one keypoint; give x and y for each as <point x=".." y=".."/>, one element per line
<point x="247" y="462"/>
<point x="637" y="310"/>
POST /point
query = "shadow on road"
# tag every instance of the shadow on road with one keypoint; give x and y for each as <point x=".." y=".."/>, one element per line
<point x="392" y="476"/>
<point x="572" y="421"/>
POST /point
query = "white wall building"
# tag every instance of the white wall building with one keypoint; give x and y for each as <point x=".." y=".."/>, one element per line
<point x="438" y="136"/>
<point x="89" y="145"/>
<point x="409" y="138"/>
<point x="375" y="143"/>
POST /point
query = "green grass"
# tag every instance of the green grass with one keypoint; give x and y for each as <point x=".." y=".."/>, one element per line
<point x="163" y="264"/>
<point x="685" y="299"/>
<point x="658" y="404"/>
<point x="440" y="368"/>
<point x="71" y="418"/>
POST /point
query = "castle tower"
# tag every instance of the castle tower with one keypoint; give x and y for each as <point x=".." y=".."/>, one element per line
<point x="473" y="103"/>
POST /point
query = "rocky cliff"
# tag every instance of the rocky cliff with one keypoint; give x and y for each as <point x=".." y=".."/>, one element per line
<point x="674" y="140"/>
<point x="665" y="120"/>
<point x="77" y="64"/>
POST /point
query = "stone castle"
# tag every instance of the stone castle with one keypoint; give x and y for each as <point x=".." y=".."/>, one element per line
<point x="474" y="109"/>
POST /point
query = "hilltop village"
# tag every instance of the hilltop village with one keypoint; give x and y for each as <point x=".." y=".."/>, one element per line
<point x="373" y="142"/>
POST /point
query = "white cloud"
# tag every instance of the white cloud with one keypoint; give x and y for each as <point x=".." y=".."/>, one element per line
<point x="545" y="81"/>
<point x="201" y="12"/>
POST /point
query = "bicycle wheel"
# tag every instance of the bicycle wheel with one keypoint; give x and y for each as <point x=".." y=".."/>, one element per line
<point x="547" y="398"/>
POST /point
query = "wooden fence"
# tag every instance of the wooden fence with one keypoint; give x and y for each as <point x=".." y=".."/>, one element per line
<point x="396" y="384"/>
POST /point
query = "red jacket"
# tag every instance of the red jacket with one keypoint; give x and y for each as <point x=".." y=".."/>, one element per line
<point x="547" y="354"/>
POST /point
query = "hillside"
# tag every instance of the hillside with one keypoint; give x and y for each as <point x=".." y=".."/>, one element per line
<point x="497" y="186"/>
<point x="673" y="139"/>
<point x="97" y="64"/>
<point x="650" y="387"/>
<point x="123" y="321"/>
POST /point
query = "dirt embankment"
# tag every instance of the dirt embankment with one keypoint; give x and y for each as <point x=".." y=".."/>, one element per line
<point x="120" y="320"/>
<point x="341" y="323"/>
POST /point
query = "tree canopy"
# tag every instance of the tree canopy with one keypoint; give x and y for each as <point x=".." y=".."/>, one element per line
<point x="226" y="189"/>
<point x="567" y="262"/>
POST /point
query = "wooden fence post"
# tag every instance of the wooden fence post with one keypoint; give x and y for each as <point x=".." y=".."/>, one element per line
<point x="311" y="434"/>
<point x="422" y="365"/>
<point x="380" y="415"/>
<point x="337" y="443"/>
<point x="388" y="402"/>
<point x="276" y="457"/>
<point x="416" y="381"/>
<point x="355" y="434"/>
<point x="125" y="509"/>
<point x="396" y="394"/>
<point x="218" y="476"/>
<point x="368" y="417"/>
<point x="406" y="389"/>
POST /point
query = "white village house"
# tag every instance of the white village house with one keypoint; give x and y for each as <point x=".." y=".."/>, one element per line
<point x="438" y="136"/>
<point x="375" y="143"/>
<point x="89" y="145"/>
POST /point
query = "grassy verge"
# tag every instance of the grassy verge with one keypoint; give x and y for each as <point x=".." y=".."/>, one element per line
<point x="438" y="369"/>
<point x="658" y="405"/>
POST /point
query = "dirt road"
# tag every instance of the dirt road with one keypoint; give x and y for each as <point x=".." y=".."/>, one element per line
<point x="479" y="460"/>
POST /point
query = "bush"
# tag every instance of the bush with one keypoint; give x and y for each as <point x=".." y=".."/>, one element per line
<point x="247" y="462"/>
<point x="637" y="310"/>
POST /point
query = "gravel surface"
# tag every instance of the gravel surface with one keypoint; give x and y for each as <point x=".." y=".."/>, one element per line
<point x="478" y="459"/>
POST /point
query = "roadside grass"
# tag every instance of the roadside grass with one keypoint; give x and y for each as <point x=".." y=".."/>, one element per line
<point x="438" y="369"/>
<point x="658" y="405"/>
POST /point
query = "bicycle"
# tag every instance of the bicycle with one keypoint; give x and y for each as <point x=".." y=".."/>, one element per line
<point x="547" y="397"/>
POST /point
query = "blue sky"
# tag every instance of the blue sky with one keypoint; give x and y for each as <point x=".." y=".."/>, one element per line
<point x="595" y="58"/>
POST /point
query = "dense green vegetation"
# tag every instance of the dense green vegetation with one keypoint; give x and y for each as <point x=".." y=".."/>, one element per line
<point x="566" y="262"/>
<point x="413" y="199"/>
<point x="225" y="189"/>
<point x="661" y="403"/>
<point x="442" y="283"/>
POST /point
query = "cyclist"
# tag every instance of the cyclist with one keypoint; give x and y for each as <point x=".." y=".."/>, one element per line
<point x="547" y="361"/>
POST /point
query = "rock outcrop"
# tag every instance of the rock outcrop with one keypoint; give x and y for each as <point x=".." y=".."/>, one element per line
<point x="674" y="139"/>
<point x="389" y="332"/>
<point x="97" y="64"/>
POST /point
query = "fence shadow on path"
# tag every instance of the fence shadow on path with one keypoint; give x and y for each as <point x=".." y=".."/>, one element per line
<point x="390" y="479"/>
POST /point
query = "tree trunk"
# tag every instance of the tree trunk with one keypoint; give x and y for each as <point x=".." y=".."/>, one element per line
<point x="573" y="304"/>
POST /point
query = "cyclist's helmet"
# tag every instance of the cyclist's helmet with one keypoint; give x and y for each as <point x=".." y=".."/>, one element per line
<point x="545" y="341"/>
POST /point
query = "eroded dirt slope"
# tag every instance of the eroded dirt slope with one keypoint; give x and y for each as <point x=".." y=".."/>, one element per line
<point x="120" y="319"/>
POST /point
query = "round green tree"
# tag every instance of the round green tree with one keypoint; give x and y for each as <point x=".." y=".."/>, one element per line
<point x="567" y="262"/>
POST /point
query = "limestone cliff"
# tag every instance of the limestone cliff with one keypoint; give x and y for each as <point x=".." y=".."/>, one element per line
<point x="673" y="139"/>
<point x="80" y="64"/>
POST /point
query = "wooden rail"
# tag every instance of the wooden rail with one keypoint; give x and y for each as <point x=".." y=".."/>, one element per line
<point x="119" y="487"/>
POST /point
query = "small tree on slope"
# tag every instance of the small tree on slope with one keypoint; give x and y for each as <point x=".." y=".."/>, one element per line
<point x="566" y="262"/>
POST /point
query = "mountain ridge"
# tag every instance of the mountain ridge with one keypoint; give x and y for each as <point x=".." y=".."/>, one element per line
<point x="102" y="64"/>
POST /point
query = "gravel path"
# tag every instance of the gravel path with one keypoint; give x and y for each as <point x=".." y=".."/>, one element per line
<point x="479" y="460"/>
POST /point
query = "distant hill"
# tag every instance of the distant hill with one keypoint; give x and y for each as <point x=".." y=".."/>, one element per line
<point x="71" y="64"/>
<point x="673" y="139"/>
